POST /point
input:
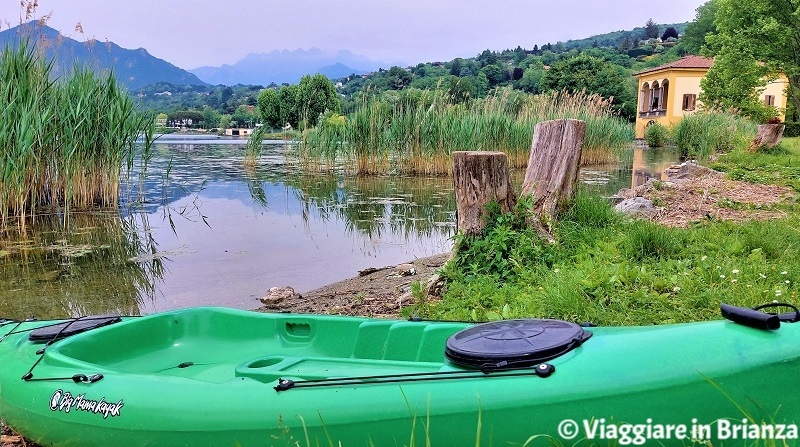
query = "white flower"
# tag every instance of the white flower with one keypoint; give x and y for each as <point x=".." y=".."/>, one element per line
<point x="676" y="289"/>
<point x="762" y="275"/>
<point x="784" y="272"/>
<point x="703" y="258"/>
<point x="734" y="280"/>
<point x="722" y="276"/>
<point x="735" y="271"/>
<point x="555" y="270"/>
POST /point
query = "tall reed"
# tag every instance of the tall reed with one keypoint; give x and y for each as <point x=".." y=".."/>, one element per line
<point x="701" y="135"/>
<point x="417" y="131"/>
<point x="63" y="142"/>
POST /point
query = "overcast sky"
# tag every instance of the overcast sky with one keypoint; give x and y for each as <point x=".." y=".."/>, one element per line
<point x="193" y="33"/>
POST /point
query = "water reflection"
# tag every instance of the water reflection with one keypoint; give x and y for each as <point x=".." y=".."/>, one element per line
<point x="200" y="229"/>
<point x="54" y="273"/>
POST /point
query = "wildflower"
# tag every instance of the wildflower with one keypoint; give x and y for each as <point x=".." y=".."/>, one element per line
<point x="555" y="270"/>
<point x="735" y="271"/>
<point x="787" y="281"/>
<point x="676" y="289"/>
<point x="734" y="280"/>
<point x="703" y="258"/>
<point x="784" y="272"/>
<point x="722" y="276"/>
<point x="762" y="275"/>
<point x="778" y="292"/>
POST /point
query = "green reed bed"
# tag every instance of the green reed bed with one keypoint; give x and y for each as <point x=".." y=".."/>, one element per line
<point x="417" y="132"/>
<point x="63" y="142"/>
<point x="702" y="134"/>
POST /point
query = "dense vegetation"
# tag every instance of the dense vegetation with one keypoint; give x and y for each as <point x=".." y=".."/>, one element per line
<point x="63" y="143"/>
<point x="615" y="271"/>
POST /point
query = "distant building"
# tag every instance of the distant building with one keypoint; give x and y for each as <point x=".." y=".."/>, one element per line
<point x="669" y="92"/>
<point x="238" y="132"/>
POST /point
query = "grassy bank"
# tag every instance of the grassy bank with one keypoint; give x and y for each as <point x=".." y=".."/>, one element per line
<point x="415" y="132"/>
<point x="63" y="142"/>
<point x="615" y="271"/>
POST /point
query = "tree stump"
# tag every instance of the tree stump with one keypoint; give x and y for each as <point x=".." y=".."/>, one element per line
<point x="552" y="172"/>
<point x="769" y="135"/>
<point x="479" y="178"/>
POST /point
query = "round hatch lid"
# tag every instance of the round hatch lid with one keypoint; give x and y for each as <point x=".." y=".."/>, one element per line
<point x="72" y="327"/>
<point x="518" y="342"/>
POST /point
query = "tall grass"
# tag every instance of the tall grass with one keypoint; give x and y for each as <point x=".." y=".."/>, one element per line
<point x="63" y="142"/>
<point x="417" y="132"/>
<point x="702" y="134"/>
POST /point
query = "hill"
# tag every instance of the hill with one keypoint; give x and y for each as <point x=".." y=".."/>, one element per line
<point x="287" y="67"/>
<point x="132" y="68"/>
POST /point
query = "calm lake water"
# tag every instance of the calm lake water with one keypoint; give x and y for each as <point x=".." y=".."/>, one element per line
<point x="207" y="231"/>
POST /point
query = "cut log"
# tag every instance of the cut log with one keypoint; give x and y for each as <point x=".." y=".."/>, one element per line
<point x="552" y="173"/>
<point x="769" y="135"/>
<point x="479" y="178"/>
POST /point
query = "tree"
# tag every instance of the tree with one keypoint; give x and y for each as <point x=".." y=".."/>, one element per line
<point x="315" y="95"/>
<point x="460" y="90"/>
<point x="530" y="80"/>
<point x="650" y="30"/>
<point x="594" y="75"/>
<point x="694" y="37"/>
<point x="735" y="81"/>
<point x="397" y="78"/>
<point x="290" y="110"/>
<point x="211" y="118"/>
<point x="670" y="32"/>
<point x="494" y="73"/>
<point x="456" y="65"/>
<point x="766" y="31"/>
<point x="269" y="107"/>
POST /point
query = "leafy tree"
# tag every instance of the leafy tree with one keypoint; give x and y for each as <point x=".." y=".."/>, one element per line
<point x="398" y="78"/>
<point x="495" y="74"/>
<point x="460" y="90"/>
<point x="694" y="38"/>
<point x="290" y="109"/>
<point x="530" y="80"/>
<point x="243" y="117"/>
<point x="315" y="95"/>
<point x="456" y="66"/>
<point x="650" y="30"/>
<point x="670" y="32"/>
<point x="269" y="107"/>
<point x="734" y="82"/>
<point x="210" y="118"/>
<point x="766" y="31"/>
<point x="594" y="75"/>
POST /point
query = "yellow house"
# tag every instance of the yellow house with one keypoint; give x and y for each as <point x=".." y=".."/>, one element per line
<point x="669" y="92"/>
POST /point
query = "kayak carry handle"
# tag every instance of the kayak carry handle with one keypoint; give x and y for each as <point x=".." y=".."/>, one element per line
<point x="750" y="317"/>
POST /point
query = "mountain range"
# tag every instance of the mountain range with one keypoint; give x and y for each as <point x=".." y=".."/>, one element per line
<point x="288" y="67"/>
<point x="132" y="68"/>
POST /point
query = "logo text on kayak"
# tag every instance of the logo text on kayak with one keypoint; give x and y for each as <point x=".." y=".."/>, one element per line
<point x="64" y="401"/>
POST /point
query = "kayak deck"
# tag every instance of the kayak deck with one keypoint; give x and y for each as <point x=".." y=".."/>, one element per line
<point x="223" y="345"/>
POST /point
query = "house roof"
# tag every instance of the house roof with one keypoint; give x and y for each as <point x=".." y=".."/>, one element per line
<point x="684" y="62"/>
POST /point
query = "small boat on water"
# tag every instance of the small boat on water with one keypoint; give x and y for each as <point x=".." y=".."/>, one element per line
<point x="223" y="377"/>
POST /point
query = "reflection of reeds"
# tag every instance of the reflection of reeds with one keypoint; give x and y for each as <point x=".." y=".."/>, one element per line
<point x="101" y="263"/>
<point x="62" y="142"/>
<point x="416" y="132"/>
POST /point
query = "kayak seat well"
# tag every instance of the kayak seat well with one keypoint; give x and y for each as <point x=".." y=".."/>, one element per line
<point x="221" y="344"/>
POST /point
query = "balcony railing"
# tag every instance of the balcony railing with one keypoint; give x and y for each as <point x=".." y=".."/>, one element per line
<point x="653" y="113"/>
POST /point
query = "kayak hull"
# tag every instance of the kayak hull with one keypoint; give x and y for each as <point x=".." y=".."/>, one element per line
<point x="207" y="376"/>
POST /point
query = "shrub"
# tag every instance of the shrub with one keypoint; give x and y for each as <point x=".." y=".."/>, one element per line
<point x="656" y="135"/>
<point x="792" y="129"/>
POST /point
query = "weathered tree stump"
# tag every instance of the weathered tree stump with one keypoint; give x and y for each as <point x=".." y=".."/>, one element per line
<point x="769" y="135"/>
<point x="479" y="178"/>
<point x="552" y="172"/>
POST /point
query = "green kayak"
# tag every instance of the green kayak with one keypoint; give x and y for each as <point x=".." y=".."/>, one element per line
<point x="223" y="377"/>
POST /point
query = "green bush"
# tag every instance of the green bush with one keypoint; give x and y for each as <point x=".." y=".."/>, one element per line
<point x="792" y="129"/>
<point x="656" y="135"/>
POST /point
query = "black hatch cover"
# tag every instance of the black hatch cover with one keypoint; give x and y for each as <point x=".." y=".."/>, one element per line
<point x="521" y="342"/>
<point x="72" y="327"/>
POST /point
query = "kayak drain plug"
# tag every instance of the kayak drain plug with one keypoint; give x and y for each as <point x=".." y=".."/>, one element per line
<point x="284" y="384"/>
<point x="545" y="369"/>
